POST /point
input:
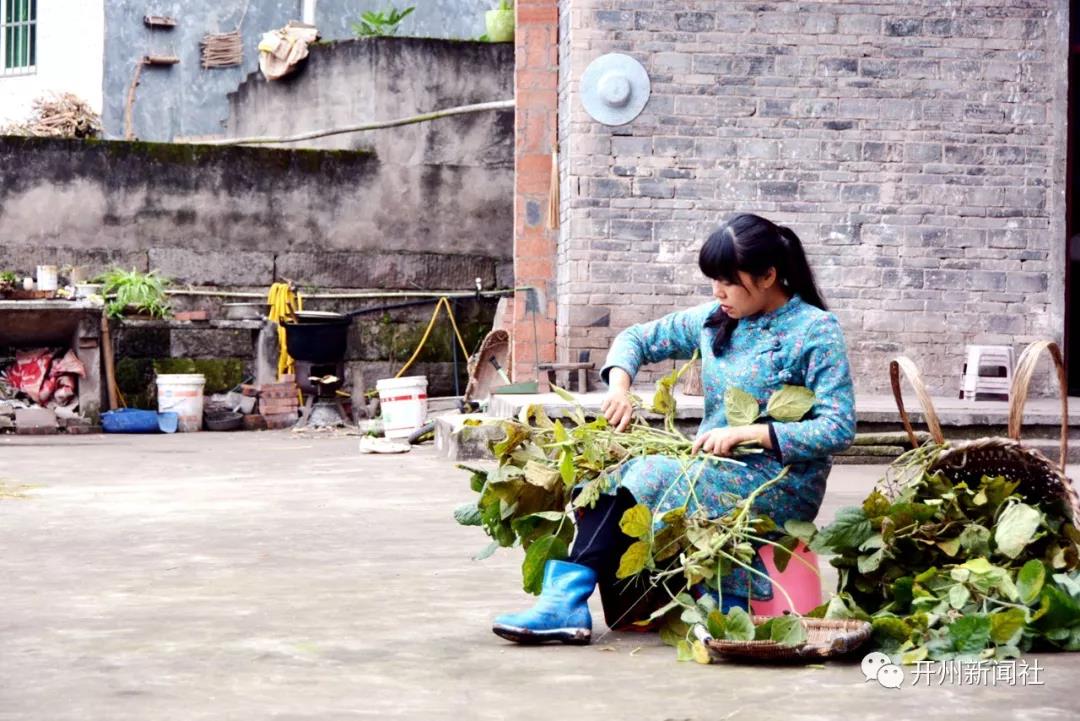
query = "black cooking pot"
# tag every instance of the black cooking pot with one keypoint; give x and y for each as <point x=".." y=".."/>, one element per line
<point x="318" y="339"/>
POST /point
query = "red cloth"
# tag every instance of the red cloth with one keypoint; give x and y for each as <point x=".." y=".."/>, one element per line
<point x="42" y="377"/>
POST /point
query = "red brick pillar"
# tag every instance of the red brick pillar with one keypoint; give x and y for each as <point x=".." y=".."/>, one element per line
<point x="536" y="83"/>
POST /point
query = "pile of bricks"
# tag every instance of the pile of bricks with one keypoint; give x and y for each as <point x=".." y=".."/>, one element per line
<point x="278" y="404"/>
<point x="40" y="421"/>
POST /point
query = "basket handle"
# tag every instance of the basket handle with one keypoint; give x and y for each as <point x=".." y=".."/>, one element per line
<point x="1025" y="368"/>
<point x="915" y="379"/>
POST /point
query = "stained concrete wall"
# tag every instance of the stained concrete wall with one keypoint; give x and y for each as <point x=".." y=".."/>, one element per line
<point x="245" y="216"/>
<point x="356" y="81"/>
<point x="182" y="99"/>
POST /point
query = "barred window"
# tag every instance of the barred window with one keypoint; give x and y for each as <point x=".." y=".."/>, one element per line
<point x="18" y="36"/>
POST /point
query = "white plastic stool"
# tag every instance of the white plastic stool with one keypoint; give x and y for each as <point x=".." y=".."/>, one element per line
<point x="982" y="356"/>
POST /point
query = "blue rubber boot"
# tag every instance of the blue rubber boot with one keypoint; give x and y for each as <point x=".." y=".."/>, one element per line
<point x="560" y="614"/>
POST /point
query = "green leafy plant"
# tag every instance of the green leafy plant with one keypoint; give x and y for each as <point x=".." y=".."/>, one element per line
<point x="527" y="499"/>
<point x="127" y="291"/>
<point x="499" y="23"/>
<point x="8" y="280"/>
<point x="380" y="24"/>
<point x="947" y="570"/>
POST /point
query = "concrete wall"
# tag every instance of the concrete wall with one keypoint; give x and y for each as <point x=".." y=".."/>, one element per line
<point x="183" y="99"/>
<point x="354" y="81"/>
<point x="70" y="45"/>
<point x="918" y="150"/>
<point x="245" y="216"/>
<point x="186" y="101"/>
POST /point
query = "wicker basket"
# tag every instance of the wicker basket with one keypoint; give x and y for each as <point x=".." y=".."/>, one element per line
<point x="825" y="638"/>
<point x="1041" y="479"/>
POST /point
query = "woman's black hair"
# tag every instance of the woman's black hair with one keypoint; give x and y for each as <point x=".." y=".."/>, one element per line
<point x="752" y="244"/>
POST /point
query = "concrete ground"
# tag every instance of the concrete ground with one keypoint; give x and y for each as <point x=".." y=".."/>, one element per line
<point x="277" y="576"/>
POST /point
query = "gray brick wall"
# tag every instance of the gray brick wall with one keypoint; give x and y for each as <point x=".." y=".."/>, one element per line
<point x="917" y="148"/>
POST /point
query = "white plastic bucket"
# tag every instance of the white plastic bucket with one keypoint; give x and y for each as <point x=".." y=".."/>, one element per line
<point x="182" y="394"/>
<point x="404" y="404"/>
<point x="47" y="277"/>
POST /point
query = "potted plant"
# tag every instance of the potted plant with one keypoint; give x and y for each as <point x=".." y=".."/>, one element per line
<point x="500" y="22"/>
<point x="7" y="282"/>
<point x="132" y="292"/>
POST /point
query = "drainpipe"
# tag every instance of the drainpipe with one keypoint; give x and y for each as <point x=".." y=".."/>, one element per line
<point x="308" y="12"/>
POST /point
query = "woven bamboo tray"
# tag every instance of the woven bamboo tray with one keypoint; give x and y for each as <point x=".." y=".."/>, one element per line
<point x="825" y="638"/>
<point x="1041" y="479"/>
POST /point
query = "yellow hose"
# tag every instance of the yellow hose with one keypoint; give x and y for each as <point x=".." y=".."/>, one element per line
<point x="284" y="303"/>
<point x="444" y="301"/>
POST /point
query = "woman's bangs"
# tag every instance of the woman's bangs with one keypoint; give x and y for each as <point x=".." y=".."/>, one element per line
<point x="718" y="259"/>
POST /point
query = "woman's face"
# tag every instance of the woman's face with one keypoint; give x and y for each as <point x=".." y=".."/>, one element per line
<point x="739" y="301"/>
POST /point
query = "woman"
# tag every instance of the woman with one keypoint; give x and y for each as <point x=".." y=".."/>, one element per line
<point x="767" y="327"/>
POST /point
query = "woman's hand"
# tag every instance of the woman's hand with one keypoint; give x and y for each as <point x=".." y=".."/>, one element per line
<point x="618" y="409"/>
<point x="722" y="441"/>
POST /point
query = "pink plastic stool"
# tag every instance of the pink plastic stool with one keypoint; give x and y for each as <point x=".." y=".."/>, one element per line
<point x="802" y="583"/>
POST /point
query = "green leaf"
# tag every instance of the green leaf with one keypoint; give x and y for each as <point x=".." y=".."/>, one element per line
<point x="468" y="514"/>
<point x="566" y="468"/>
<point x="683" y="651"/>
<point x="541" y="475"/>
<point x="590" y="492"/>
<point x="634" y="560"/>
<point x="969" y="634"/>
<point x="563" y="394"/>
<point x="950" y="547"/>
<point x="740" y="407"/>
<point x="803" y="530"/>
<point x="782" y="552"/>
<point x="477" y="477"/>
<point x="487" y="551"/>
<point x="738" y="626"/>
<point x="1005" y="626"/>
<point x="788" y="631"/>
<point x="909" y="658"/>
<point x="870" y="563"/>
<point x="850" y="529"/>
<point x="790" y="403"/>
<point x="716" y="622"/>
<point x="663" y="399"/>
<point x="1016" y="528"/>
<point x="516" y="434"/>
<point x="890" y="628"/>
<point x="561" y="436"/>
<point x="700" y="653"/>
<point x="542" y="550"/>
<point x="1030" y="580"/>
<point x="637" y="521"/>
<point x="975" y="539"/>
<point x="692" y="616"/>
<point x="547" y="515"/>
<point x="958" y="596"/>
<point x="876" y="504"/>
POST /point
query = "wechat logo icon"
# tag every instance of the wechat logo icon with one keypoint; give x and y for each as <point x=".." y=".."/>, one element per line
<point x="879" y="667"/>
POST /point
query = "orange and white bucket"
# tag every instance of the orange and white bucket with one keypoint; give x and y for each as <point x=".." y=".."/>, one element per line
<point x="182" y="394"/>
<point x="404" y="404"/>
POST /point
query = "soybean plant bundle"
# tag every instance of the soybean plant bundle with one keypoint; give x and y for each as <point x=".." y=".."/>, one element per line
<point x="947" y="570"/>
<point x="528" y="497"/>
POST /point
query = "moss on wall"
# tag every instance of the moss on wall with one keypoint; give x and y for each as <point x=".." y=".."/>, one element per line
<point x="135" y="376"/>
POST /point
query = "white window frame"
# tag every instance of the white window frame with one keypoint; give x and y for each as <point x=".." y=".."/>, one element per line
<point x="30" y="25"/>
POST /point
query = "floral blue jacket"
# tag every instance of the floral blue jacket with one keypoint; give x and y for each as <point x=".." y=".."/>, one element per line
<point x="797" y="344"/>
